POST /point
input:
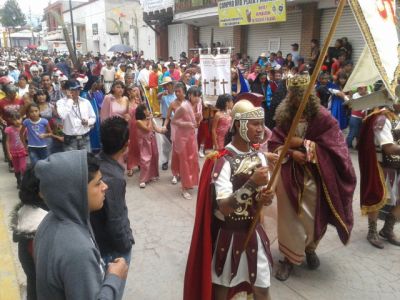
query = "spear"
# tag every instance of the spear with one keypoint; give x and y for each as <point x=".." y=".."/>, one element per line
<point x="298" y="115"/>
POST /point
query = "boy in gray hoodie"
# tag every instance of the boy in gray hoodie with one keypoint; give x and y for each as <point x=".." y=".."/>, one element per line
<point x="68" y="262"/>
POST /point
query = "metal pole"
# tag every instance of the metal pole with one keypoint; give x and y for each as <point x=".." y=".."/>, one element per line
<point x="72" y="26"/>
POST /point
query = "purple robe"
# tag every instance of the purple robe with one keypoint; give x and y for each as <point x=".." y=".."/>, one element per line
<point x="334" y="174"/>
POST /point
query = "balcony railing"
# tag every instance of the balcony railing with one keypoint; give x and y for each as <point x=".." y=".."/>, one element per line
<point x="186" y="5"/>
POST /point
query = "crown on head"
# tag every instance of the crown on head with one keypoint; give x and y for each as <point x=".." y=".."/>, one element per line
<point x="298" y="81"/>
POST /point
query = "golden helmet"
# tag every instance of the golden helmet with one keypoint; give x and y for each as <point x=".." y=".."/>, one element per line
<point x="245" y="110"/>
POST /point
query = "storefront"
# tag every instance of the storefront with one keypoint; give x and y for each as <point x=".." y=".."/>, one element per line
<point x="347" y="27"/>
<point x="275" y="36"/>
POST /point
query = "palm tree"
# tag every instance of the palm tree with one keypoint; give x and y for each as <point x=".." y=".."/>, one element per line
<point x="119" y="27"/>
<point x="67" y="39"/>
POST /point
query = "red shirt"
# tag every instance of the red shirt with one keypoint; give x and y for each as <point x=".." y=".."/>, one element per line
<point x="7" y="108"/>
<point x="153" y="80"/>
<point x="97" y="69"/>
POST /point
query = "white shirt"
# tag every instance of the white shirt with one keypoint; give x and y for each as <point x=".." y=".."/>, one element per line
<point x="108" y="74"/>
<point x="73" y="114"/>
<point x="143" y="76"/>
<point x="22" y="92"/>
<point x="223" y="185"/>
<point x="296" y="56"/>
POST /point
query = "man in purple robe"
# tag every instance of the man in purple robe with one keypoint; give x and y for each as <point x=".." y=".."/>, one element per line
<point x="316" y="182"/>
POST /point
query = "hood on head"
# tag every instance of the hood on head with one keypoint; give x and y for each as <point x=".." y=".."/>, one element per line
<point x="63" y="184"/>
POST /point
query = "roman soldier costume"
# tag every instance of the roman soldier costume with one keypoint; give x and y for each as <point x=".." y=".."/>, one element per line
<point x="216" y="254"/>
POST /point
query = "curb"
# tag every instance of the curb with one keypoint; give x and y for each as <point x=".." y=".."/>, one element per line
<point x="9" y="287"/>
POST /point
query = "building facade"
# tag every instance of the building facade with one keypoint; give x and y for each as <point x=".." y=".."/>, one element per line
<point x="194" y="20"/>
<point x="100" y="24"/>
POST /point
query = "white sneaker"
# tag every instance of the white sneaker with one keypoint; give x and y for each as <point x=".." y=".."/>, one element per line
<point x="142" y="185"/>
<point x="201" y="154"/>
<point x="174" y="180"/>
<point x="186" y="195"/>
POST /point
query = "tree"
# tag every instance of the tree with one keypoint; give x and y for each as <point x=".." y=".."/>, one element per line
<point x="67" y="39"/>
<point x="11" y="14"/>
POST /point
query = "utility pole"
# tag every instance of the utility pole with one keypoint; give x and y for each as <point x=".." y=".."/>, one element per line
<point x="72" y="26"/>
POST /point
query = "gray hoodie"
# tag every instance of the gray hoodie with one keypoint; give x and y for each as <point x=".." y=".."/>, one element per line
<point x="68" y="262"/>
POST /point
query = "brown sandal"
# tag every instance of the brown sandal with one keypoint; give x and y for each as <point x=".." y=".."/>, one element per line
<point x="130" y="173"/>
<point x="284" y="271"/>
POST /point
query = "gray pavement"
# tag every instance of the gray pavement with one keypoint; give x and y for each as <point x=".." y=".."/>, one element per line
<point x="162" y="222"/>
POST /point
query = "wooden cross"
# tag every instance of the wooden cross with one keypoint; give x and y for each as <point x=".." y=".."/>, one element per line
<point x="223" y="82"/>
<point x="215" y="80"/>
<point x="205" y="82"/>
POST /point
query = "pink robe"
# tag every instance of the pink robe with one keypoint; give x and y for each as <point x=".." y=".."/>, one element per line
<point x="133" y="149"/>
<point x="224" y="123"/>
<point x="185" y="160"/>
<point x="148" y="162"/>
<point x="111" y="108"/>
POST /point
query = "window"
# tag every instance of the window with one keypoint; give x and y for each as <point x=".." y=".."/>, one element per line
<point x="95" y="29"/>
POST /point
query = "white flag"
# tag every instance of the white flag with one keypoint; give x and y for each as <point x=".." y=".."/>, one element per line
<point x="215" y="76"/>
<point x="377" y="21"/>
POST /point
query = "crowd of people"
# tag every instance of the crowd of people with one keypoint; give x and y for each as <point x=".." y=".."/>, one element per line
<point x="83" y="127"/>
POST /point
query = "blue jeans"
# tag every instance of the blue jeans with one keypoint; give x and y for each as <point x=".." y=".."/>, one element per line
<point x="355" y="126"/>
<point x="37" y="153"/>
<point x="110" y="257"/>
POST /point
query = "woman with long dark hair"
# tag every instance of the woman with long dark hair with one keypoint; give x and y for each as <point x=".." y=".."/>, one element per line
<point x="115" y="103"/>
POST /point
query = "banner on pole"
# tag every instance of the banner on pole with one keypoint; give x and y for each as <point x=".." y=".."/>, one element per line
<point x="377" y="21"/>
<point x="246" y="12"/>
<point x="216" y="76"/>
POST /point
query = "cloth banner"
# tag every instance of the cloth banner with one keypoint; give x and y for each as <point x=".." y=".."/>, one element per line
<point x="216" y="76"/>
<point x="377" y="21"/>
<point x="365" y="72"/>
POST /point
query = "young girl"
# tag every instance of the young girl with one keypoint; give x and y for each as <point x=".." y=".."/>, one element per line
<point x="147" y="143"/>
<point x="37" y="130"/>
<point x="133" y="149"/>
<point x="42" y="99"/>
<point x="222" y="120"/>
<point x="15" y="148"/>
<point x="185" y="161"/>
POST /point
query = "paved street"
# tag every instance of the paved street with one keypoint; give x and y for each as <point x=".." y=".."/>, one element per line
<point x="162" y="222"/>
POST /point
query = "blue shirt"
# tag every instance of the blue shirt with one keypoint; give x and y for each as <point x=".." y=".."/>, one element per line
<point x="34" y="129"/>
<point x="166" y="100"/>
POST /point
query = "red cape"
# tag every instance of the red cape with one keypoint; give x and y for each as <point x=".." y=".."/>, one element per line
<point x="372" y="183"/>
<point x="198" y="283"/>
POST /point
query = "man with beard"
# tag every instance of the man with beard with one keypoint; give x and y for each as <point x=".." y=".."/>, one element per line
<point x="316" y="181"/>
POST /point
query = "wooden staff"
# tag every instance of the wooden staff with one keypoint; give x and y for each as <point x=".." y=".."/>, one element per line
<point x="298" y="115"/>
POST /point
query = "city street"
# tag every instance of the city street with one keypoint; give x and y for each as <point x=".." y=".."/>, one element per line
<point x="162" y="223"/>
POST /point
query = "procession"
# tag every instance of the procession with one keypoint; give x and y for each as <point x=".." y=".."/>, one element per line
<point x="200" y="170"/>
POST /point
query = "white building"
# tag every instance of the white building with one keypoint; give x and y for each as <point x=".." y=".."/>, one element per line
<point x="95" y="26"/>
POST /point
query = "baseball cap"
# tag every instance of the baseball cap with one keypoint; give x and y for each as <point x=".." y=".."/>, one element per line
<point x="72" y="85"/>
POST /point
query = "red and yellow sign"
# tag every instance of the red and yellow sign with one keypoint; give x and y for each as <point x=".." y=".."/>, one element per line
<point x="246" y="12"/>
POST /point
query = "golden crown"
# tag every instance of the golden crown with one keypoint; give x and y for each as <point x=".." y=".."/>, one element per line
<point x="298" y="81"/>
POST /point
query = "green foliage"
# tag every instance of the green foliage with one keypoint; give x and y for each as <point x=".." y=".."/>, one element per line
<point x="11" y="14"/>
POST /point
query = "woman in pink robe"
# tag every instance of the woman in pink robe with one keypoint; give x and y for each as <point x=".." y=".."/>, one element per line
<point x="185" y="161"/>
<point x="133" y="149"/>
<point x="115" y="103"/>
<point x="147" y="143"/>
<point x="222" y="121"/>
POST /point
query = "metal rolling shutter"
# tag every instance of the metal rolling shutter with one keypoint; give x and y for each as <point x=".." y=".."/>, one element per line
<point x="177" y="40"/>
<point x="347" y="27"/>
<point x="224" y="35"/>
<point x="289" y="32"/>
